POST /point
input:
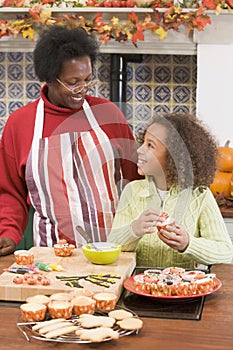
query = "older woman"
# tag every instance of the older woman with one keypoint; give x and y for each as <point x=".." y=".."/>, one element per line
<point x="68" y="154"/>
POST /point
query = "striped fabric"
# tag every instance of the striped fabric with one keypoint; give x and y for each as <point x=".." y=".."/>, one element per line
<point x="71" y="183"/>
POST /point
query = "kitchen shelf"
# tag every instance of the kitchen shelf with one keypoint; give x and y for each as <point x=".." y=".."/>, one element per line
<point x="176" y="42"/>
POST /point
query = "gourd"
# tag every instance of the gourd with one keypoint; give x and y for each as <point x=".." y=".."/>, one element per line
<point x="222" y="184"/>
<point x="223" y="180"/>
<point x="225" y="157"/>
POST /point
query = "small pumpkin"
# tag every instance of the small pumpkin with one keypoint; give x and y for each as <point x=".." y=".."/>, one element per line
<point x="222" y="184"/>
<point x="225" y="157"/>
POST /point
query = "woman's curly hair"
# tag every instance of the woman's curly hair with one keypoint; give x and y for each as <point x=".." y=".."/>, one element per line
<point x="192" y="150"/>
<point x="57" y="44"/>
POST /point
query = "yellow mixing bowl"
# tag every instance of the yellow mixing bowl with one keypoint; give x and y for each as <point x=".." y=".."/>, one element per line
<point x="101" y="253"/>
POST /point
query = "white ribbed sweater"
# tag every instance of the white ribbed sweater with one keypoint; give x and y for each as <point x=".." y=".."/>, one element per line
<point x="199" y="214"/>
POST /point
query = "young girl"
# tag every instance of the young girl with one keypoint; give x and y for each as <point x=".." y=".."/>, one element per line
<point x="177" y="156"/>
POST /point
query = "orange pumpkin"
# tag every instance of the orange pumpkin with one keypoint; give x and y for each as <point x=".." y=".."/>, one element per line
<point x="225" y="158"/>
<point x="222" y="184"/>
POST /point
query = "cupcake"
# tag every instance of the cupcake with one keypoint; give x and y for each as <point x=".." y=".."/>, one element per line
<point x="81" y="292"/>
<point x="33" y="312"/>
<point x="83" y="305"/>
<point x="39" y="298"/>
<point x="60" y="309"/>
<point x="62" y="248"/>
<point x="61" y="297"/>
<point x="24" y="257"/>
<point x="105" y="301"/>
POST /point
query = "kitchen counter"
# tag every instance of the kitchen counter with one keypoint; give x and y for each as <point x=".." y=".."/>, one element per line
<point x="213" y="331"/>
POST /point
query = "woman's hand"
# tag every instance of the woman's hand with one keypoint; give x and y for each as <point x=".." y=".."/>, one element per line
<point x="7" y="246"/>
<point x="145" y="223"/>
<point x="175" y="236"/>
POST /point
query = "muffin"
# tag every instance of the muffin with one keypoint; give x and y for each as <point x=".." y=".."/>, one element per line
<point x="105" y="301"/>
<point x="60" y="309"/>
<point x="83" y="305"/>
<point x="62" y="248"/>
<point x="61" y="296"/>
<point x="81" y="292"/>
<point x="39" y="298"/>
<point x="24" y="257"/>
<point x="33" y="312"/>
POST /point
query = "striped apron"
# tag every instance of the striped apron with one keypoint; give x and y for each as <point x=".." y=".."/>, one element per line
<point x="71" y="182"/>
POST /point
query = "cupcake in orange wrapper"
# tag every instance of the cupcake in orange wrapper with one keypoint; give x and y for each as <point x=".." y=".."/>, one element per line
<point x="61" y="296"/>
<point x="105" y="301"/>
<point x="81" y="292"/>
<point x="83" y="305"/>
<point x="60" y="309"/>
<point x="24" y="257"/>
<point x="33" y="312"/>
<point x="62" y="248"/>
<point x="168" y="221"/>
<point x="206" y="284"/>
<point x="142" y="285"/>
<point x="39" y="298"/>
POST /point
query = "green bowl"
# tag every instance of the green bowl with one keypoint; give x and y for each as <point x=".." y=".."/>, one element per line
<point x="101" y="253"/>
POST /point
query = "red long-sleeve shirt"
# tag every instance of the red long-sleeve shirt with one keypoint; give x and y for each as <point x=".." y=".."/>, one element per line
<point x="16" y="143"/>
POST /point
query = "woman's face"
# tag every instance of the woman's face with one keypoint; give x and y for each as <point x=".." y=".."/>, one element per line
<point x="152" y="153"/>
<point x="74" y="72"/>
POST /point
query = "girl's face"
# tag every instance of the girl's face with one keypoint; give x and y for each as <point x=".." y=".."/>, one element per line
<point x="65" y="92"/>
<point x="152" y="153"/>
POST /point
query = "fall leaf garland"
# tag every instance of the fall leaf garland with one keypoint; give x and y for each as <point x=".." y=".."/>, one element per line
<point x="133" y="28"/>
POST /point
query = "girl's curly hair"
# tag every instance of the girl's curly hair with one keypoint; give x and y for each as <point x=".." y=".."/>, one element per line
<point x="57" y="44"/>
<point x="192" y="150"/>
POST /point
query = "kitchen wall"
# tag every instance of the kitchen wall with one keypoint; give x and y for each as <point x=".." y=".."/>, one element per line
<point x="214" y="89"/>
<point x="159" y="83"/>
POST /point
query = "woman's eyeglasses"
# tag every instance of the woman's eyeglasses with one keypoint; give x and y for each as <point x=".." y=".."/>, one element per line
<point x="77" y="88"/>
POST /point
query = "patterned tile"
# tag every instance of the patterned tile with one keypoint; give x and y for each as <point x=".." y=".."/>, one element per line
<point x="15" y="56"/>
<point x="162" y="94"/>
<point x="15" y="90"/>
<point x="143" y="93"/>
<point x="2" y="90"/>
<point x="2" y="56"/>
<point x="143" y="73"/>
<point x="15" y="72"/>
<point x="162" y="74"/>
<point x="2" y="72"/>
<point x="158" y="84"/>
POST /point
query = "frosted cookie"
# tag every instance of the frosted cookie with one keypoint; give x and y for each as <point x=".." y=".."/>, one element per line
<point x="120" y="314"/>
<point x="61" y="331"/>
<point x="91" y="321"/>
<point x="131" y="323"/>
<point x="97" y="334"/>
<point x="39" y="325"/>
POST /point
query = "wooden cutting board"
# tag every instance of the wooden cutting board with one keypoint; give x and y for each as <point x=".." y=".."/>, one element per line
<point x="75" y="265"/>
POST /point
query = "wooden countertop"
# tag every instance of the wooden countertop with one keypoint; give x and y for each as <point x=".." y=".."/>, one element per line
<point x="213" y="331"/>
<point x="227" y="212"/>
<point x="74" y="265"/>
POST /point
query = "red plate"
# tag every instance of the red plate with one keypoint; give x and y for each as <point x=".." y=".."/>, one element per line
<point x="129" y="285"/>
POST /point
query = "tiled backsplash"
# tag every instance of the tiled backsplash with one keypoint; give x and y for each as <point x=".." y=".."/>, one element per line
<point x="159" y="83"/>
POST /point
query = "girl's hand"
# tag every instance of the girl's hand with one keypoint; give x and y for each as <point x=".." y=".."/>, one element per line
<point x="175" y="236"/>
<point x="145" y="223"/>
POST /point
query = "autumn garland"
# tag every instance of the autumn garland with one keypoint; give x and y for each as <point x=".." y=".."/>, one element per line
<point x="157" y="22"/>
